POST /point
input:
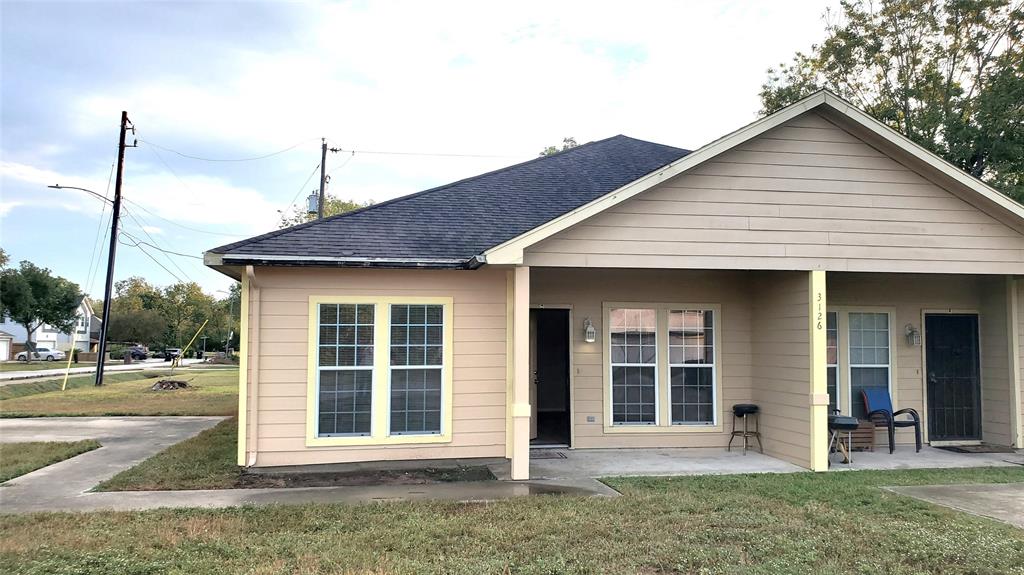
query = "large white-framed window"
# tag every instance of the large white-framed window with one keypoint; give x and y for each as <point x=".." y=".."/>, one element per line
<point x="633" y="352"/>
<point x="345" y="349"/>
<point x="416" y="373"/>
<point x="379" y="370"/>
<point x="870" y="357"/>
<point x="692" y="357"/>
<point x="832" y="357"/>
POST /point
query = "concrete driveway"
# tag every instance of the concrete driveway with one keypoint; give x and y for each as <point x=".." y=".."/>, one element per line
<point x="1001" y="501"/>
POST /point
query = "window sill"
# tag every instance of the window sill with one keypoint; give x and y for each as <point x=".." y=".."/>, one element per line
<point x="677" y="429"/>
<point x="369" y="441"/>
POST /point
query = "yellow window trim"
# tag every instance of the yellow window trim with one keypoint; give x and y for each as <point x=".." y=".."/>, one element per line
<point x="664" y="425"/>
<point x="379" y="434"/>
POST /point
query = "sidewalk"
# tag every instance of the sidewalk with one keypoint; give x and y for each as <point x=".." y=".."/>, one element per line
<point x="127" y="441"/>
<point x="111" y="366"/>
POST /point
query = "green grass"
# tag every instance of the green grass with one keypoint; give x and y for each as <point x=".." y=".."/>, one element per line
<point x="211" y="393"/>
<point x="17" y="459"/>
<point x="206" y="461"/>
<point x="763" y="524"/>
<point x="40" y="364"/>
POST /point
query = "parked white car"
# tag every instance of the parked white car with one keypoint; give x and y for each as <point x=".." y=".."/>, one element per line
<point x="42" y="353"/>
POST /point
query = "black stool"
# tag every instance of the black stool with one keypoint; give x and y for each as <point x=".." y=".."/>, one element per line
<point x="745" y="411"/>
<point x="837" y="425"/>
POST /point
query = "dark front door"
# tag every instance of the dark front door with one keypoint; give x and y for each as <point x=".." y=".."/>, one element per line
<point x="551" y="376"/>
<point x="954" y="382"/>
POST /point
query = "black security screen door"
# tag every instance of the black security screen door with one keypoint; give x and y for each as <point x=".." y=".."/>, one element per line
<point x="954" y="384"/>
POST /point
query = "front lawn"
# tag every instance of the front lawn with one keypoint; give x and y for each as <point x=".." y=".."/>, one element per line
<point x="211" y="392"/>
<point x="17" y="459"/>
<point x="796" y="523"/>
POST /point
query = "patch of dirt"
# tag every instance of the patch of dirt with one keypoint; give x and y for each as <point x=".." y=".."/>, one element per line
<point x="169" y="385"/>
<point x="365" y="478"/>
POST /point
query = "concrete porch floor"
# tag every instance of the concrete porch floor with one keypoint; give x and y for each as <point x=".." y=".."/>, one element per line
<point x="928" y="458"/>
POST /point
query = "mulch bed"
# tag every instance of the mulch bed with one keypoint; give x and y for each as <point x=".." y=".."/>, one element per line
<point x="364" y="478"/>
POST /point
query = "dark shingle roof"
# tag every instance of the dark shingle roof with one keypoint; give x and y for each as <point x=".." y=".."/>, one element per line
<point x="458" y="221"/>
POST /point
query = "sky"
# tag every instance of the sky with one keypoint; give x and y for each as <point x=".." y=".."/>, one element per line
<point x="459" y="88"/>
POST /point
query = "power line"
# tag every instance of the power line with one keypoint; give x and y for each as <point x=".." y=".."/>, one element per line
<point x="93" y="259"/>
<point x="431" y="154"/>
<point x="155" y="247"/>
<point x="303" y="187"/>
<point x="156" y="261"/>
<point x="251" y="159"/>
<point x="172" y="222"/>
<point x="152" y="239"/>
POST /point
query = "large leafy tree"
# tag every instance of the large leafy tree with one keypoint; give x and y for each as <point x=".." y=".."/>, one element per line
<point x="948" y="74"/>
<point x="332" y="207"/>
<point x="567" y="144"/>
<point x="32" y="296"/>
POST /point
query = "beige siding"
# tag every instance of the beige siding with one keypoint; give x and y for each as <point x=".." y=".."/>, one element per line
<point x="781" y="364"/>
<point x="996" y="390"/>
<point x="586" y="290"/>
<point x="907" y="297"/>
<point x="805" y="195"/>
<point x="479" y="375"/>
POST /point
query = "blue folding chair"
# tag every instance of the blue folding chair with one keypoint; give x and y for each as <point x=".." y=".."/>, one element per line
<point x="879" y="408"/>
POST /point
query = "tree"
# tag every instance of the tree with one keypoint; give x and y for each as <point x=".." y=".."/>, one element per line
<point x="567" y="144"/>
<point x="4" y="258"/>
<point x="185" y="307"/>
<point x="332" y="207"/>
<point x="32" y="296"/>
<point x="948" y="74"/>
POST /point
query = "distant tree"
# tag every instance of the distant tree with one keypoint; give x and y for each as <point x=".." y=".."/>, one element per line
<point x="948" y="74"/>
<point x="4" y="258"/>
<point x="31" y="296"/>
<point x="567" y="144"/>
<point x="142" y="326"/>
<point x="332" y="207"/>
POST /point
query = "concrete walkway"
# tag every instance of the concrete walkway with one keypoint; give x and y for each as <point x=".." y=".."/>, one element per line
<point x="1003" y="502"/>
<point x="128" y="441"/>
<point x="9" y="377"/>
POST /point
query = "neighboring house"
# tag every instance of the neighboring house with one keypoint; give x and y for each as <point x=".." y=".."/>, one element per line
<point x="627" y="294"/>
<point x="47" y="336"/>
<point x="6" y="343"/>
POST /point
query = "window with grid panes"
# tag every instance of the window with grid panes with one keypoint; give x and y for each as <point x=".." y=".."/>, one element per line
<point x="832" y="354"/>
<point x="691" y="356"/>
<point x="869" y="356"/>
<point x="416" y="364"/>
<point x="345" y="369"/>
<point x="634" y="356"/>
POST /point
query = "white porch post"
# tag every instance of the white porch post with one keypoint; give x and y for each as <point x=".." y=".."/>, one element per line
<point x="818" y="371"/>
<point x="521" y="374"/>
<point x="1013" y="353"/>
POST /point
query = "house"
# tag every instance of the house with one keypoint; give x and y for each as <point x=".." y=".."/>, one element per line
<point x="6" y="342"/>
<point x="49" y="337"/>
<point x="628" y="294"/>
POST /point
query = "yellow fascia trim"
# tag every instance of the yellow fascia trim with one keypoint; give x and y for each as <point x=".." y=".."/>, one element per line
<point x="664" y="425"/>
<point x="381" y="372"/>
<point x="243" y="371"/>
<point x="818" y="353"/>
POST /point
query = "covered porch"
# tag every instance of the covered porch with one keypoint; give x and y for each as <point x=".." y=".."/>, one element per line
<point x="644" y="366"/>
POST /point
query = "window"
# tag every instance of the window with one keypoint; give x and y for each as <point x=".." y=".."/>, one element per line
<point x="345" y="369"/>
<point x="869" y="356"/>
<point x="634" y="356"/>
<point x="691" y="356"/>
<point x="832" y="354"/>
<point x="417" y="357"/>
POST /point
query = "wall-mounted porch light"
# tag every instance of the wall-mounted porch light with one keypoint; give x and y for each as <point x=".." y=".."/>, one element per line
<point x="589" y="333"/>
<point x="913" y="335"/>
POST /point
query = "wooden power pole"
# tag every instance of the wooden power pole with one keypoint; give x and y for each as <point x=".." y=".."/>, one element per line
<point x="109" y="287"/>
<point x="323" y="178"/>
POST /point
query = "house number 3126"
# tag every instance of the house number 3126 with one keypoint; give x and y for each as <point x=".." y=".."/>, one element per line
<point x="820" y="313"/>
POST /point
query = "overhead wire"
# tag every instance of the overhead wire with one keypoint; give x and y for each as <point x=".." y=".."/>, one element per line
<point x="156" y="261"/>
<point x="250" y="159"/>
<point x="166" y="251"/>
<point x="301" y="188"/>
<point x="100" y="232"/>
<point x="152" y="239"/>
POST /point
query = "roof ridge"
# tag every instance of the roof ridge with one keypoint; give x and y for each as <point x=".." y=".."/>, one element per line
<point x="392" y="201"/>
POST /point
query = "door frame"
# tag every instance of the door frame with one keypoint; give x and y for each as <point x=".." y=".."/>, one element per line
<point x="925" y="423"/>
<point x="572" y="367"/>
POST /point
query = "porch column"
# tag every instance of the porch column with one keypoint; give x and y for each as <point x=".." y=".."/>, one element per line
<point x="521" y="374"/>
<point x="1013" y="339"/>
<point x="818" y="371"/>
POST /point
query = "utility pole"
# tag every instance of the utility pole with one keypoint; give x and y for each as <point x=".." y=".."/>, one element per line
<point x="100" y="358"/>
<point x="323" y="178"/>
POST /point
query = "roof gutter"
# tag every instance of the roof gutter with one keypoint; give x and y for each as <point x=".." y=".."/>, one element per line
<point x="215" y="259"/>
